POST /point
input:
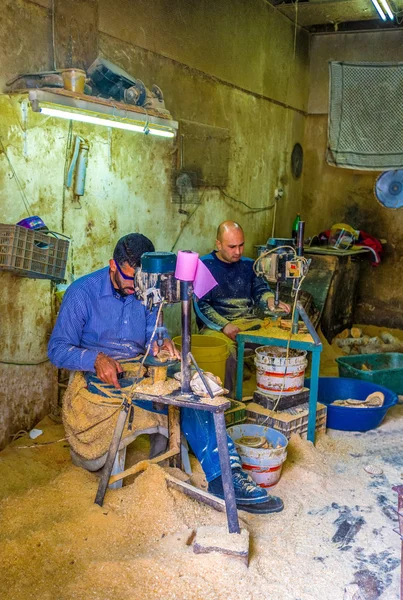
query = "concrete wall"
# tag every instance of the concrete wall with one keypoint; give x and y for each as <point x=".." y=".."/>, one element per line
<point x="229" y="64"/>
<point x="332" y="195"/>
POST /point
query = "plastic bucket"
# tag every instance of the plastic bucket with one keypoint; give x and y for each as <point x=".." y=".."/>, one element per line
<point x="74" y="80"/>
<point x="276" y="374"/>
<point x="210" y="353"/>
<point x="262" y="464"/>
<point x="347" y="418"/>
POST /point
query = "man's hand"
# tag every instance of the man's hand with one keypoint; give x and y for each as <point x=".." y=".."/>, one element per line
<point x="167" y="345"/>
<point x="231" y="331"/>
<point x="107" y="369"/>
<point x="282" y="306"/>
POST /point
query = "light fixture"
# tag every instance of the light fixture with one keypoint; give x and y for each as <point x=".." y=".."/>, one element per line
<point x="387" y="9"/>
<point x="99" y="112"/>
<point x="379" y="9"/>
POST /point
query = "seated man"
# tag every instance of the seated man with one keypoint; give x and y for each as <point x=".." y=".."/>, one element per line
<point x="100" y="329"/>
<point x="232" y="305"/>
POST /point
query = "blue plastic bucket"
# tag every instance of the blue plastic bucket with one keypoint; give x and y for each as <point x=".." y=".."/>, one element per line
<point x="346" y="418"/>
<point x="262" y="464"/>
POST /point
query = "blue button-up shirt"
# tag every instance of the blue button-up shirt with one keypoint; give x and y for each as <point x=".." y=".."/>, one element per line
<point x="93" y="319"/>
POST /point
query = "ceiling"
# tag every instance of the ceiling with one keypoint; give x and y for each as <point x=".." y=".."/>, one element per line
<point x="337" y="15"/>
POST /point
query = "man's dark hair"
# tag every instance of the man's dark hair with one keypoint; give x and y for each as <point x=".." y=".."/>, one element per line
<point x="130" y="248"/>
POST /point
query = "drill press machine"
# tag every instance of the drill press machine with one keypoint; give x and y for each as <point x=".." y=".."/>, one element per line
<point x="155" y="284"/>
<point x="281" y="262"/>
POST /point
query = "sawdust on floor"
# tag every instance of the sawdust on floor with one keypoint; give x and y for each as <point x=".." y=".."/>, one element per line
<point x="336" y="528"/>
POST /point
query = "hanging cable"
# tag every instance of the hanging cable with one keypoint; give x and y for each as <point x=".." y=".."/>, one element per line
<point x="251" y="208"/>
<point x="21" y="190"/>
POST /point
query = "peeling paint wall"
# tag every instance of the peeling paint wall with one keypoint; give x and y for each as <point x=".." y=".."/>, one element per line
<point x="333" y="195"/>
<point x="230" y="64"/>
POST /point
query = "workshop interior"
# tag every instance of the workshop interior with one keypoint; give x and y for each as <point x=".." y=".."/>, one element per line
<point x="201" y="350"/>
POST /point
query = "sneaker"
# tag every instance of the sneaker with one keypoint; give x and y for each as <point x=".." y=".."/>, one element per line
<point x="273" y="505"/>
<point x="246" y="490"/>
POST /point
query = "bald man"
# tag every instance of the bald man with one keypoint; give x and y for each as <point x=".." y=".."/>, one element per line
<point x="233" y="305"/>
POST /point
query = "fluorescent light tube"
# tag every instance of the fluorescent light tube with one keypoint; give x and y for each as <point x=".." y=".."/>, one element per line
<point x="83" y="118"/>
<point x="387" y="9"/>
<point x="379" y="9"/>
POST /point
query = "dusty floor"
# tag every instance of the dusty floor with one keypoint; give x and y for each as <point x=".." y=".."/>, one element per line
<point x="336" y="528"/>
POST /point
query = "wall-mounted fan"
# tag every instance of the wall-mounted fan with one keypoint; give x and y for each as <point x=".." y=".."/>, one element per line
<point x="389" y="189"/>
<point x="184" y="189"/>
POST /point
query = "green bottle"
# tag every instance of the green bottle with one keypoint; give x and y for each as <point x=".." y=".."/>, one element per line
<point x="294" y="233"/>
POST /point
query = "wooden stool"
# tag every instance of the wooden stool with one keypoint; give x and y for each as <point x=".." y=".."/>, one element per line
<point x="175" y="402"/>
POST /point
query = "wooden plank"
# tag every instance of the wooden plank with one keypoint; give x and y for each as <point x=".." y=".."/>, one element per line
<point x="195" y="493"/>
<point x="174" y="429"/>
<point x="141" y="466"/>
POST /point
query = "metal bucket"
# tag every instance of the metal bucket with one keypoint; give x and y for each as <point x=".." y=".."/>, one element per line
<point x="277" y="374"/>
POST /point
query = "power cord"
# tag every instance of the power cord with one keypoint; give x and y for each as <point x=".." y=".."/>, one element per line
<point x="20" y="188"/>
<point x="24" y="364"/>
<point x="251" y="208"/>
<point x="259" y="273"/>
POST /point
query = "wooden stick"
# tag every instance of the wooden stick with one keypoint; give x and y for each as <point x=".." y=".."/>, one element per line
<point x="388" y="338"/>
<point x="356" y="341"/>
<point x="195" y="493"/>
<point x="376" y="348"/>
<point x="141" y="466"/>
<point x="174" y="483"/>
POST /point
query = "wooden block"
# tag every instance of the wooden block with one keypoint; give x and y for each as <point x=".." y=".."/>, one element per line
<point x="270" y="401"/>
<point x="217" y="539"/>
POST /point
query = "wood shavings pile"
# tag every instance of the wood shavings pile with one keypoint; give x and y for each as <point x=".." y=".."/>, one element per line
<point x="336" y="529"/>
<point x="159" y="388"/>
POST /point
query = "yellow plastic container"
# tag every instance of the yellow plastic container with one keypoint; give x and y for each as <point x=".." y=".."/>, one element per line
<point x="74" y="80"/>
<point x="210" y="353"/>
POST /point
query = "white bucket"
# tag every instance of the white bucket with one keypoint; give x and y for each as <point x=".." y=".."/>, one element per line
<point x="276" y="374"/>
<point x="262" y="464"/>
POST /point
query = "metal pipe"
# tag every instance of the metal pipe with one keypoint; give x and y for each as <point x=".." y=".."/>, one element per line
<point x="186" y="295"/>
<point x="160" y="329"/>
<point x="277" y="294"/>
<point x="301" y="310"/>
<point x="226" y="473"/>
<point x="202" y="377"/>
<point x="300" y="238"/>
<point x="112" y="452"/>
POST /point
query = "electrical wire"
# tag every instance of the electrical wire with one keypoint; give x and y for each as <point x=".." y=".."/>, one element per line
<point x="267" y="252"/>
<point x="24" y="198"/>
<point x="24" y="364"/>
<point x="259" y="273"/>
<point x="187" y="221"/>
<point x="129" y="396"/>
<point x="251" y="208"/>
<point x="289" y="342"/>
<point x="53" y="36"/>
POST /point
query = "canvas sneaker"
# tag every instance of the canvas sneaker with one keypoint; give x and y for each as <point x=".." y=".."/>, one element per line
<point x="246" y="490"/>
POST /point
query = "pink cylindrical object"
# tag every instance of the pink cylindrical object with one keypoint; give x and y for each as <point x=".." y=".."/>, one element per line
<point x="186" y="265"/>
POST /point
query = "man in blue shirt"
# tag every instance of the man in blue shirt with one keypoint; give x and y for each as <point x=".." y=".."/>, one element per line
<point x="100" y="324"/>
